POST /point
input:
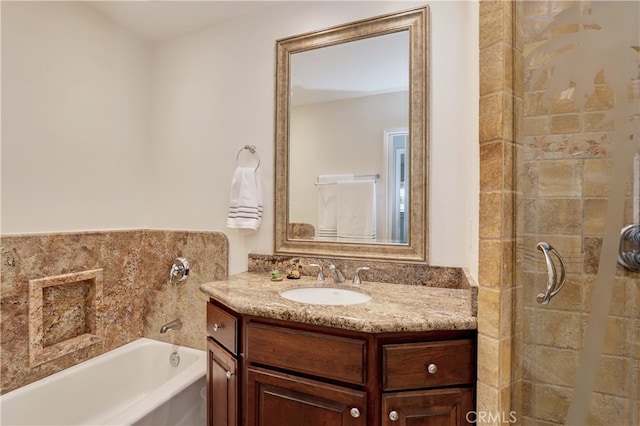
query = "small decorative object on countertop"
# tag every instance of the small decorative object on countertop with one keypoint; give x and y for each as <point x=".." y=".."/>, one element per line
<point x="294" y="274"/>
<point x="276" y="276"/>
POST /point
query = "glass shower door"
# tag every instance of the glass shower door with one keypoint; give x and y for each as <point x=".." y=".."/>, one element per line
<point x="578" y="348"/>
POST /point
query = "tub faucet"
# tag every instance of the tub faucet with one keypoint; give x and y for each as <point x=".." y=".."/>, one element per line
<point x="337" y="274"/>
<point x="173" y="325"/>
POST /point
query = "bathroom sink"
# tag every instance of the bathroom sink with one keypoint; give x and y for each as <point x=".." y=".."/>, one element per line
<point x="325" y="296"/>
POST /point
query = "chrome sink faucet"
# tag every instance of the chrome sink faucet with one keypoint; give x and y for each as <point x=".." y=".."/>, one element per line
<point x="321" y="273"/>
<point x="338" y="277"/>
<point x="356" y="277"/>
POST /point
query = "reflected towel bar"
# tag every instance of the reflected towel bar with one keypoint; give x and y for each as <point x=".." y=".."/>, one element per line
<point x="375" y="177"/>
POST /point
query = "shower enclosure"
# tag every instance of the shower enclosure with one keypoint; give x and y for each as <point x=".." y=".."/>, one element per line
<point x="576" y="357"/>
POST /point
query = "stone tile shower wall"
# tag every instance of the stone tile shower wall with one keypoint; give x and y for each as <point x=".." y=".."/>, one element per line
<point x="498" y="91"/>
<point x="563" y="172"/>
<point x="68" y="297"/>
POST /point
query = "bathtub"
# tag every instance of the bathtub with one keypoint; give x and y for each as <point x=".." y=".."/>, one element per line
<point x="131" y="385"/>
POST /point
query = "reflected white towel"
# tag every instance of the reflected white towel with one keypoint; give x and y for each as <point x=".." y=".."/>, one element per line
<point x="356" y="218"/>
<point x="245" y="205"/>
<point x="328" y="204"/>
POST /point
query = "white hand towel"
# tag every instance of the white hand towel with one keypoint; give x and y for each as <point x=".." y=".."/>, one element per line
<point x="245" y="206"/>
<point x="328" y="204"/>
<point x="356" y="218"/>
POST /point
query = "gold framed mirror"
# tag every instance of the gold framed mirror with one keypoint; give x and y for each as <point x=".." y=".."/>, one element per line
<point x="344" y="205"/>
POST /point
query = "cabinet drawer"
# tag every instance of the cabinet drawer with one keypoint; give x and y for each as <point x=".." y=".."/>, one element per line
<point x="223" y="327"/>
<point x="331" y="357"/>
<point x="424" y="365"/>
<point x="449" y="406"/>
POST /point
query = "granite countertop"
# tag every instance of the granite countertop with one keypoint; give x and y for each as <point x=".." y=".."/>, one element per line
<point x="393" y="307"/>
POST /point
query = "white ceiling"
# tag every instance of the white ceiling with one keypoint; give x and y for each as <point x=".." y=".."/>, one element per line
<point x="364" y="67"/>
<point x="161" y="20"/>
<point x="380" y="63"/>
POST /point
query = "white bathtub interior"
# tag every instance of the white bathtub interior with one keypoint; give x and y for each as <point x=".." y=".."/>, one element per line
<point x="133" y="384"/>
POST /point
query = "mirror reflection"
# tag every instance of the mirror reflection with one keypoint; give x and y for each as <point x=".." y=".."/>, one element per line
<point x="351" y="138"/>
<point x="348" y="136"/>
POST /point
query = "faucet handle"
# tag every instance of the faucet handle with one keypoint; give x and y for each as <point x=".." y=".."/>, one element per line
<point x="179" y="270"/>
<point x="321" y="273"/>
<point x="356" y="277"/>
<point x="338" y="276"/>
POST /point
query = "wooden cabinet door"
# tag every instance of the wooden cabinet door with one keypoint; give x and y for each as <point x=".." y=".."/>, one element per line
<point x="437" y="407"/>
<point x="278" y="399"/>
<point x="222" y="387"/>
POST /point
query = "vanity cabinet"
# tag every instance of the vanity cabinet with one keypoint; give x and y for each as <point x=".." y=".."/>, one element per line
<point x="222" y="367"/>
<point x="292" y="374"/>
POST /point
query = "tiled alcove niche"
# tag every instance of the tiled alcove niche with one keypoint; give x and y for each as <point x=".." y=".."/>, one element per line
<point x="64" y="314"/>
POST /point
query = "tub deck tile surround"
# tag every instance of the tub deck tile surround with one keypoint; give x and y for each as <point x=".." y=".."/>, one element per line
<point x="393" y="308"/>
<point x="136" y="299"/>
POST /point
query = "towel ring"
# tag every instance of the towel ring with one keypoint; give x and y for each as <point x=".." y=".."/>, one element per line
<point x="252" y="149"/>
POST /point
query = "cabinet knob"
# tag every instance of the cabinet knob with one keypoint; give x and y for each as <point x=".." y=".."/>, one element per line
<point x="432" y="368"/>
<point x="217" y="327"/>
<point x="393" y="415"/>
<point x="355" y="413"/>
<point x="228" y="374"/>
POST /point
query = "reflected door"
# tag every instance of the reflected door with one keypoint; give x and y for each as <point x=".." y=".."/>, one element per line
<point x="398" y="177"/>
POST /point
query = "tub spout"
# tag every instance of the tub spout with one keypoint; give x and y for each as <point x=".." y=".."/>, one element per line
<point x="173" y="325"/>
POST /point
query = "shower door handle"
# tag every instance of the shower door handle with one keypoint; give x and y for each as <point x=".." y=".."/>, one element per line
<point x="554" y="284"/>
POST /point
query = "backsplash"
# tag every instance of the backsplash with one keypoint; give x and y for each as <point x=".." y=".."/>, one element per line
<point x="68" y="297"/>
<point x="381" y="271"/>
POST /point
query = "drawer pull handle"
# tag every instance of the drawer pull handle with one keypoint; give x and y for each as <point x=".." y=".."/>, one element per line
<point x="393" y="416"/>
<point x="228" y="374"/>
<point x="432" y="368"/>
<point x="355" y="413"/>
<point x="217" y="327"/>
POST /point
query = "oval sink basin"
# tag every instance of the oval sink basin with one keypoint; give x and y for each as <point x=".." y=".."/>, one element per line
<point x="325" y="296"/>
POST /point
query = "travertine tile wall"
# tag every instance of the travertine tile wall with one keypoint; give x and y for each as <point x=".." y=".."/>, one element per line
<point x="136" y="298"/>
<point x="563" y="171"/>
<point x="498" y="91"/>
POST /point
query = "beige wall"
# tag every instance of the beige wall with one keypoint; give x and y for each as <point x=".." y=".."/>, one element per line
<point x="75" y="120"/>
<point x="121" y="134"/>
<point x="213" y="92"/>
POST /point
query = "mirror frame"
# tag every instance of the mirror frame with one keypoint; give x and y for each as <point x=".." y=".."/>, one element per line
<point x="416" y="21"/>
